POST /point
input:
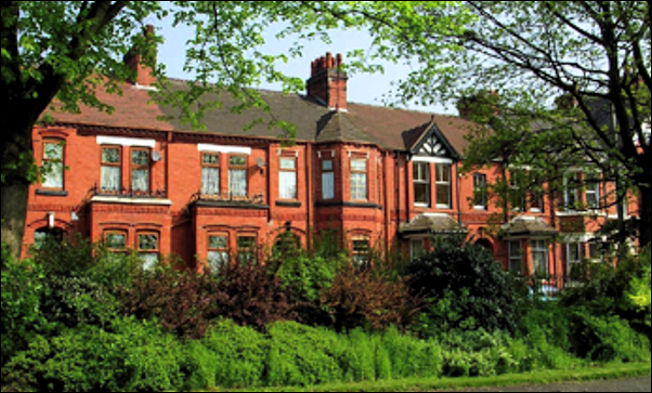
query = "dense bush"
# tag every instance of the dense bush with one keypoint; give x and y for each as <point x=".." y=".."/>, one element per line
<point x="21" y="294"/>
<point x="369" y="298"/>
<point x="131" y="356"/>
<point x="608" y="289"/>
<point x="465" y="288"/>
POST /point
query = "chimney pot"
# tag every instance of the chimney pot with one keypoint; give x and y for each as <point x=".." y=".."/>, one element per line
<point x="327" y="86"/>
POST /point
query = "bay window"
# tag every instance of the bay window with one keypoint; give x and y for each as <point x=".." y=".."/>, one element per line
<point x="539" y="249"/>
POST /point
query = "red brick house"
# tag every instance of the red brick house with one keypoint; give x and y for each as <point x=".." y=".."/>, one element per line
<point x="383" y="178"/>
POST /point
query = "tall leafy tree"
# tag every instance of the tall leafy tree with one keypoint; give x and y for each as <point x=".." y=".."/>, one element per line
<point x="63" y="50"/>
<point x="593" y="54"/>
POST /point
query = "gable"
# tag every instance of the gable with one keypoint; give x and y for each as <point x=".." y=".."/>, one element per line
<point x="433" y="144"/>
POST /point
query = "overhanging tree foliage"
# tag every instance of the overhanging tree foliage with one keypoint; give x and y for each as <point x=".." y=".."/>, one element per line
<point x="596" y="54"/>
<point x="64" y="50"/>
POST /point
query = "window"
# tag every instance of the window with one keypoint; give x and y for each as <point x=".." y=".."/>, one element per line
<point x="287" y="178"/>
<point x="539" y="250"/>
<point x="416" y="248"/>
<point x="327" y="180"/>
<point x="116" y="240"/>
<point x="479" y="191"/>
<point x="361" y="252"/>
<point x="592" y="192"/>
<point x="443" y="185"/>
<point x="44" y="235"/>
<point x="53" y="164"/>
<point x="218" y="253"/>
<point x="359" y="178"/>
<point x="421" y="179"/>
<point x="246" y="249"/>
<point x="140" y="169"/>
<point x="111" y="170"/>
<point x="210" y="174"/>
<point x="574" y="256"/>
<point x="570" y="191"/>
<point x="147" y="245"/>
<point x="515" y="256"/>
<point x="238" y="176"/>
<point x="517" y="190"/>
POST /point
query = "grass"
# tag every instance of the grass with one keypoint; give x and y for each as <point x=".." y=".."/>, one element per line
<point x="609" y="371"/>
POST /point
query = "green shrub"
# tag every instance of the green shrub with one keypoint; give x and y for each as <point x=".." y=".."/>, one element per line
<point x="606" y="338"/>
<point x="303" y="355"/>
<point x="465" y="288"/>
<point x="238" y="354"/>
<point x="21" y="307"/>
<point x="410" y="356"/>
<point x="131" y="356"/>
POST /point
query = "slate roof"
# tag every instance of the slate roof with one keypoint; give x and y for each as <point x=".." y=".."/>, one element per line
<point x="389" y="128"/>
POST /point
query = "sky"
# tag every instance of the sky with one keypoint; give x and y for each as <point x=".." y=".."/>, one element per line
<point x="362" y="87"/>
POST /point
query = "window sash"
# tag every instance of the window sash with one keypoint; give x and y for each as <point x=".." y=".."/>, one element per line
<point x="53" y="159"/>
<point x="515" y="256"/>
<point x="421" y="180"/>
<point x="210" y="181"/>
<point x="443" y="185"/>
<point x="359" y="186"/>
<point x="246" y="249"/>
<point x="140" y="168"/>
<point x="480" y="190"/>
<point x="593" y="195"/>
<point x="539" y="252"/>
<point x="218" y="253"/>
<point x="360" y="252"/>
<point x="116" y="240"/>
<point x="238" y="182"/>
<point x="287" y="178"/>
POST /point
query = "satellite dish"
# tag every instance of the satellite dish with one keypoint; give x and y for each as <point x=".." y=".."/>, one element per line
<point x="260" y="163"/>
<point x="156" y="156"/>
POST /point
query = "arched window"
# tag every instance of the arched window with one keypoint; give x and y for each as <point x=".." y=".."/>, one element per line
<point x="45" y="234"/>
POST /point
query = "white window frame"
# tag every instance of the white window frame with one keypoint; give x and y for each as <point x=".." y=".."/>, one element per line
<point x="327" y="179"/>
<point x="287" y="185"/>
<point x="422" y="181"/>
<point x="447" y="183"/>
<point x="357" y="190"/>
<point x="535" y="247"/>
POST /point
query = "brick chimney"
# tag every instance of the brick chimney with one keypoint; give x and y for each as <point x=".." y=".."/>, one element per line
<point x="327" y="82"/>
<point x="142" y="74"/>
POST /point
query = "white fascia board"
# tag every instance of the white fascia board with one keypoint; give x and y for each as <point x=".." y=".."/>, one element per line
<point x="436" y="160"/>
<point x="224" y="148"/>
<point x="116" y="140"/>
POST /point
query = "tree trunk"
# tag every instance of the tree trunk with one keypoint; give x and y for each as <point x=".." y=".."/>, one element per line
<point x="14" y="208"/>
<point x="645" y="215"/>
<point x="18" y="172"/>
